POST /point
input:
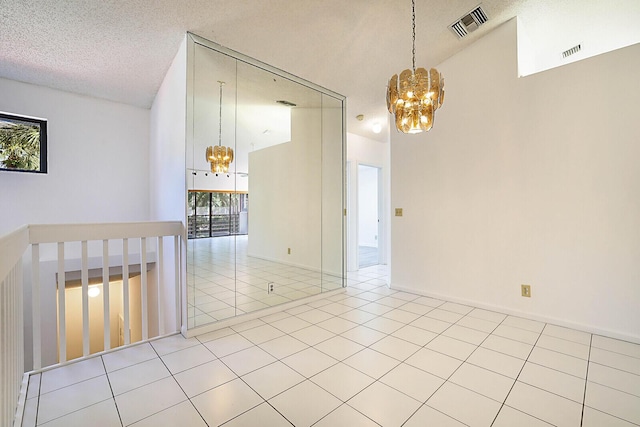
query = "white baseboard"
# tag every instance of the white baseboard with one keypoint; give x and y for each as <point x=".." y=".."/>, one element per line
<point x="592" y="329"/>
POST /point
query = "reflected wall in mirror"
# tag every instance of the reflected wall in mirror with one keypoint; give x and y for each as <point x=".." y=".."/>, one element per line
<point x="271" y="230"/>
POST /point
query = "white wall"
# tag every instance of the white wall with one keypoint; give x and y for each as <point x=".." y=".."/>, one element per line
<point x="368" y="206"/>
<point x="167" y="182"/>
<point x="361" y="150"/>
<point x="98" y="165"/>
<point x="526" y="181"/>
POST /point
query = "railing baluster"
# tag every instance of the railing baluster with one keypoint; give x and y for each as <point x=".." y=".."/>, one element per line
<point x="143" y="287"/>
<point x="159" y="273"/>
<point x="85" y="300"/>
<point x="35" y="306"/>
<point x="105" y="294"/>
<point x="176" y="269"/>
<point x="125" y="289"/>
<point x="62" y="321"/>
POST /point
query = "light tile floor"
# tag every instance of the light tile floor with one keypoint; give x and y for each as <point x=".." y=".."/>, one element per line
<point x="370" y="356"/>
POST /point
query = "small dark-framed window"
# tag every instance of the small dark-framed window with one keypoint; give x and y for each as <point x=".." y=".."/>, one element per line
<point x="23" y="144"/>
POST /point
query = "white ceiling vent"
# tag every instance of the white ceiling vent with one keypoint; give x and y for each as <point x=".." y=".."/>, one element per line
<point x="571" y="51"/>
<point x="469" y="22"/>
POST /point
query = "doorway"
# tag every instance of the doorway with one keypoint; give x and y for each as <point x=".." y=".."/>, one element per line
<point x="369" y="212"/>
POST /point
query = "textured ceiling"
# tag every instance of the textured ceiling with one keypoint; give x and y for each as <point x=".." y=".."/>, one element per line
<point x="121" y="49"/>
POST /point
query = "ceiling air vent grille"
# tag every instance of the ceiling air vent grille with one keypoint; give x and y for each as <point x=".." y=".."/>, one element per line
<point x="571" y="51"/>
<point x="469" y="22"/>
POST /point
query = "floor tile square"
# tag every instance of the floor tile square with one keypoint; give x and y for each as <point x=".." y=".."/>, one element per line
<point x="148" y="400"/>
<point x="594" y="418"/>
<point x="204" y="377"/>
<point x="135" y="376"/>
<point x="526" y="324"/>
<point x="456" y="308"/>
<point x="615" y="360"/>
<point x="345" y="416"/>
<point x="467" y="335"/>
<point x="401" y="316"/>
<point x="414" y="335"/>
<point x="516" y="334"/>
<point x="435" y="363"/>
<point x="384" y="405"/>
<point x="616" y="346"/>
<point x="384" y="325"/>
<point x="103" y="414"/>
<point x="312" y="335"/>
<point x="342" y="381"/>
<point x="335" y="308"/>
<point x="261" y="415"/>
<point x="614" y="378"/>
<point x="395" y="347"/>
<point x="272" y="379"/>
<point x="465" y="405"/>
<point x="128" y="356"/>
<point x="227" y="345"/>
<point x="415" y="308"/>
<point x="429" y="324"/>
<point x="293" y="403"/>
<point x="260" y="334"/>
<point x="505" y="345"/>
<point x="613" y="402"/>
<point x="71" y="374"/>
<point x="188" y="358"/>
<point x="247" y="360"/>
<point x="509" y="417"/>
<point x="339" y="347"/>
<point x="556" y="382"/>
<point x="290" y="324"/>
<point x="567" y="334"/>
<point x="444" y="315"/>
<point x="413" y="382"/>
<point x="372" y="363"/>
<point x="314" y="316"/>
<point x="428" y="301"/>
<point x="225" y="402"/>
<point x="483" y="381"/>
<point x="337" y="325"/>
<point x="73" y="398"/>
<point x="559" y="361"/>
<point x="309" y="362"/>
<point x="427" y="416"/>
<point x="451" y="347"/>
<point x="358" y="316"/>
<point x="490" y="316"/>
<point x="363" y="335"/>
<point x="283" y="346"/>
<point x="549" y="407"/>
<point x="563" y="346"/>
<point x="497" y="362"/>
<point x="173" y="343"/>
<point x="182" y="414"/>
<point x="477" y="324"/>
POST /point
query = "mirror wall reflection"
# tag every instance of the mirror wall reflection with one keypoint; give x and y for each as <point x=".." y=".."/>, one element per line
<point x="269" y="229"/>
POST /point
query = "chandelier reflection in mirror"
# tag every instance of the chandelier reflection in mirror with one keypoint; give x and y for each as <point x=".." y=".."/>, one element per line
<point x="416" y="95"/>
<point x="220" y="156"/>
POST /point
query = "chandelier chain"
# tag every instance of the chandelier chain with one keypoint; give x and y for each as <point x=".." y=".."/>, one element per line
<point x="220" y="116"/>
<point x="413" y="22"/>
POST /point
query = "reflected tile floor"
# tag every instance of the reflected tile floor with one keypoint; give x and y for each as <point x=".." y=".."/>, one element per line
<point x="369" y="356"/>
<point x="224" y="281"/>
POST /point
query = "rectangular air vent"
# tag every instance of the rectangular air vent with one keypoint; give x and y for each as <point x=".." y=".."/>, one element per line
<point x="571" y="51"/>
<point x="469" y="22"/>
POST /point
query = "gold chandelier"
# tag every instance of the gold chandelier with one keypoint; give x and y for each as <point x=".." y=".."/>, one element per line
<point x="416" y="95"/>
<point x="220" y="156"/>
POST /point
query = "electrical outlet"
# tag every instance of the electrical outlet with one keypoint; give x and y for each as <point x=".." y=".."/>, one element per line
<point x="398" y="211"/>
<point x="270" y="286"/>
<point x="289" y="251"/>
<point x="526" y="290"/>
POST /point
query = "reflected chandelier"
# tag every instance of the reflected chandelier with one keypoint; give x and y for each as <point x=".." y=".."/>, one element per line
<point x="220" y="156"/>
<point x="416" y="95"/>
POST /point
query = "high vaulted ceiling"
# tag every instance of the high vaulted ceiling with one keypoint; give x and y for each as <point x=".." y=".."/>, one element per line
<point x="121" y="49"/>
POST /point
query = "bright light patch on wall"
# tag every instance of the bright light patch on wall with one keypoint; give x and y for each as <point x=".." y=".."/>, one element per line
<point x="94" y="291"/>
<point x="376" y="127"/>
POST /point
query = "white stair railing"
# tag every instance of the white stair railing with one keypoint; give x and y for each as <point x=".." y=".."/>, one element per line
<point x="54" y="259"/>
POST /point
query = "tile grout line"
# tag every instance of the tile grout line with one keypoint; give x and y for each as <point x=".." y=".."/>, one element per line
<point x="113" y="396"/>
<point x="516" y="380"/>
<point x="586" y="382"/>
